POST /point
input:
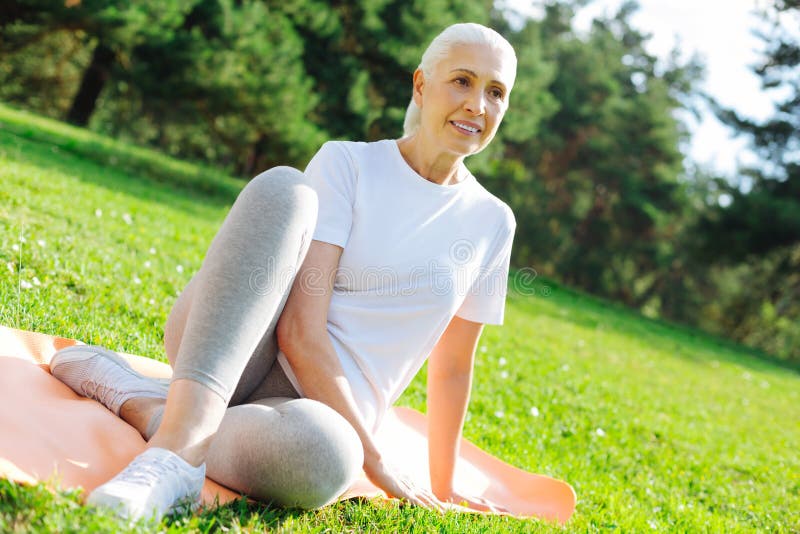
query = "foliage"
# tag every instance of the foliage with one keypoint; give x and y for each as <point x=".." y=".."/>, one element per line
<point x="754" y="240"/>
<point x="591" y="164"/>
<point x="588" y="157"/>
<point x="203" y="79"/>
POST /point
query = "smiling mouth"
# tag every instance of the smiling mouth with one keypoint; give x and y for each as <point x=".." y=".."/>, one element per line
<point x="465" y="127"/>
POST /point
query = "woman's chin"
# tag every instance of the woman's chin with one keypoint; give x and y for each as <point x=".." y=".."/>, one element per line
<point x="465" y="147"/>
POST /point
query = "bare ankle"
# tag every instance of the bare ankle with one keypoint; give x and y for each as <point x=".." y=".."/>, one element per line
<point x="138" y="411"/>
<point x="193" y="453"/>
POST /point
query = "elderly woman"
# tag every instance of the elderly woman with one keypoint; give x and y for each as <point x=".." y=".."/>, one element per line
<point x="318" y="301"/>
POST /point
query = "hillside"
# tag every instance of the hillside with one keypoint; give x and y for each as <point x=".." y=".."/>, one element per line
<point x="657" y="427"/>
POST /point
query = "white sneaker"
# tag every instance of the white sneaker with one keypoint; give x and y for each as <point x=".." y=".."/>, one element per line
<point x="103" y="375"/>
<point x="156" y="482"/>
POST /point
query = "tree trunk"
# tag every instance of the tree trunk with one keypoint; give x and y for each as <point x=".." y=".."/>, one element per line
<point x="253" y="158"/>
<point x="94" y="78"/>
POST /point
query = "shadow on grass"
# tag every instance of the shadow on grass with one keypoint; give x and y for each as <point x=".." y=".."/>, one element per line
<point x="243" y="513"/>
<point x="48" y="142"/>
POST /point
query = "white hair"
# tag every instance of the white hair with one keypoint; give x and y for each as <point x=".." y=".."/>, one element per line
<point x="457" y="34"/>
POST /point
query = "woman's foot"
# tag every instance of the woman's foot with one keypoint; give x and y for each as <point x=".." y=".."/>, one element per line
<point x="103" y="375"/>
<point x="155" y="483"/>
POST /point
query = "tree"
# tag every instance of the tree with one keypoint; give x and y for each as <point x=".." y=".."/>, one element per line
<point x="755" y="238"/>
<point x="112" y="28"/>
<point x="361" y="55"/>
<point x="599" y="198"/>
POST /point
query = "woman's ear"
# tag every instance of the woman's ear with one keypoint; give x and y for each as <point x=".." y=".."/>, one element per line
<point x="419" y="85"/>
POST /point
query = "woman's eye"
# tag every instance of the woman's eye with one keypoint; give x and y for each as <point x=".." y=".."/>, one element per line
<point x="462" y="81"/>
<point x="496" y="93"/>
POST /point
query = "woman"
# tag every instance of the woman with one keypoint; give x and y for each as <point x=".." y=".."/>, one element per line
<point x="316" y="304"/>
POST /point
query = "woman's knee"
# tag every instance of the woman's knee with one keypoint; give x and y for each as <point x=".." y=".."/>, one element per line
<point x="294" y="452"/>
<point x="330" y="454"/>
<point x="284" y="184"/>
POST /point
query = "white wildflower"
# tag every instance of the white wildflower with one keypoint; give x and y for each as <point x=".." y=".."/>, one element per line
<point x="41" y="243"/>
<point x="764" y="384"/>
<point x="137" y="280"/>
<point x="147" y="264"/>
<point x="499" y="414"/>
<point x="534" y="411"/>
<point x="24" y="284"/>
<point x="10" y="267"/>
<point x="22" y="239"/>
<point x="565" y="367"/>
<point x="36" y="281"/>
<point x="600" y="432"/>
<point x="653" y="524"/>
<point x="152" y="250"/>
<point x="502" y="361"/>
<point x="152" y="302"/>
<point x="127" y="218"/>
<point x="98" y="212"/>
<point x="179" y="268"/>
<point x="504" y="375"/>
<point x="483" y="349"/>
<point x="15" y="247"/>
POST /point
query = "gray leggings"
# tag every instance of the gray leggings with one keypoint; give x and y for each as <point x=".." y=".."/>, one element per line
<point x="271" y="445"/>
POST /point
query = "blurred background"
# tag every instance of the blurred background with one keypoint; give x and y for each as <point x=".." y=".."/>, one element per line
<point x="651" y="153"/>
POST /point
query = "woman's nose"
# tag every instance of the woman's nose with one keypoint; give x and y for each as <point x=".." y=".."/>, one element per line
<point x="475" y="103"/>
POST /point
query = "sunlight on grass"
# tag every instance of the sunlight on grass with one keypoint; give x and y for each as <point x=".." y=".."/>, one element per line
<point x="658" y="427"/>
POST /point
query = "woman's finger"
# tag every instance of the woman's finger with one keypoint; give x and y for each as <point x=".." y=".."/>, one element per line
<point x="493" y="507"/>
<point x="401" y="486"/>
<point x="432" y="503"/>
<point x="486" y="505"/>
<point x="422" y="497"/>
<point x="435" y="503"/>
<point x="412" y="498"/>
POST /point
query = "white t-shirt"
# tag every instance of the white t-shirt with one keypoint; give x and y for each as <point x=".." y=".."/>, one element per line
<point x="415" y="254"/>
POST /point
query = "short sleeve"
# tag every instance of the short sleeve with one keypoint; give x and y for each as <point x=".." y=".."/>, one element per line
<point x="333" y="177"/>
<point x="485" y="302"/>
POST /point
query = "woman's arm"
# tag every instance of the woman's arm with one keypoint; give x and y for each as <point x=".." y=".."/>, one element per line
<point x="449" y="382"/>
<point x="303" y="338"/>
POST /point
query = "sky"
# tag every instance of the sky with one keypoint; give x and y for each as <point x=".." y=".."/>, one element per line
<point x="721" y="32"/>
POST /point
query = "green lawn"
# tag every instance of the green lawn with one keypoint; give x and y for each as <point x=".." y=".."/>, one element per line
<point x="657" y="427"/>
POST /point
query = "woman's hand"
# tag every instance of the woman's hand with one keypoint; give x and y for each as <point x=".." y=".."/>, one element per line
<point x="475" y="503"/>
<point x="398" y="484"/>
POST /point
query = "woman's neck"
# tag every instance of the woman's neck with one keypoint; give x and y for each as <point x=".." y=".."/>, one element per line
<point x="434" y="165"/>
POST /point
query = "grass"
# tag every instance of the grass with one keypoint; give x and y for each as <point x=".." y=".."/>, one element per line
<point x="657" y="427"/>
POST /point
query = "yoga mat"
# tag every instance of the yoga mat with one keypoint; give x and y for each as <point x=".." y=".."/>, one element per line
<point x="48" y="433"/>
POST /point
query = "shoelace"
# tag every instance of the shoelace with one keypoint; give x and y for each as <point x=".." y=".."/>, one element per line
<point x="95" y="389"/>
<point x="148" y="470"/>
<point x="105" y="394"/>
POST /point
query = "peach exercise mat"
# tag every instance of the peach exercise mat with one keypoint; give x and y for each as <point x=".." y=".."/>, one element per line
<point x="46" y="429"/>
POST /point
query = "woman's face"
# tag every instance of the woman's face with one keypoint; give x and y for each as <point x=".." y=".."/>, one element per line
<point x="463" y="102"/>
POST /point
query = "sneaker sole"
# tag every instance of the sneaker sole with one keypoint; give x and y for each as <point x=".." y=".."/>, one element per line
<point x="115" y="505"/>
